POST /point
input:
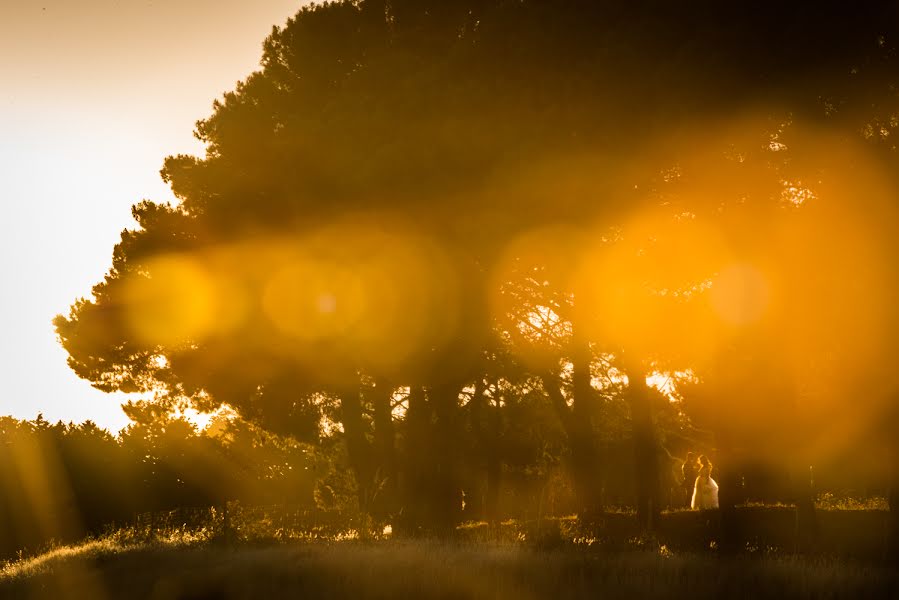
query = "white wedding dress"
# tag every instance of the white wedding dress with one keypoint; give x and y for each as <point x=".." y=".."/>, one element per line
<point x="705" y="493"/>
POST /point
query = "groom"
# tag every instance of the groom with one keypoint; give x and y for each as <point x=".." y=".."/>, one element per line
<point x="689" y="470"/>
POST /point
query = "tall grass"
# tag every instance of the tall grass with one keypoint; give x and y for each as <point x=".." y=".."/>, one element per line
<point x="113" y="569"/>
<point x="270" y="553"/>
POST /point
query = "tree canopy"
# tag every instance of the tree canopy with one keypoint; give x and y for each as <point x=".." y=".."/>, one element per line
<point x="448" y="198"/>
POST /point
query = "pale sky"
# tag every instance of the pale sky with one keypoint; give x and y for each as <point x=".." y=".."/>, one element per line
<point x="93" y="95"/>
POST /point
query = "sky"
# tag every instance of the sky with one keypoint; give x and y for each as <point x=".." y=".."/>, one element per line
<point x="94" y="94"/>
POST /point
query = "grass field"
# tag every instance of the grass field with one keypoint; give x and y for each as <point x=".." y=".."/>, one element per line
<point x="109" y="569"/>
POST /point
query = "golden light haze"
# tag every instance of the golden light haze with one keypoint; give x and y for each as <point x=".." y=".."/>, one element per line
<point x="342" y="288"/>
<point x="804" y="286"/>
<point x="801" y="287"/>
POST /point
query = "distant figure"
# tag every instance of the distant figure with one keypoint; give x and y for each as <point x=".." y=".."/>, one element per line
<point x="705" y="490"/>
<point x="689" y="470"/>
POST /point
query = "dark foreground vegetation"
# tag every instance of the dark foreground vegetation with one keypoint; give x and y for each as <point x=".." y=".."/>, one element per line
<point x="282" y="552"/>
<point x="428" y="569"/>
<point x="161" y="478"/>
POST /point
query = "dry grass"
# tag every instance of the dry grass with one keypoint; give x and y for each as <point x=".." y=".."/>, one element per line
<point x="109" y="569"/>
<point x="829" y="501"/>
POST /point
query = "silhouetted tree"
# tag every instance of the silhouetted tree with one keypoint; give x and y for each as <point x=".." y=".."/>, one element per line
<point x="360" y="193"/>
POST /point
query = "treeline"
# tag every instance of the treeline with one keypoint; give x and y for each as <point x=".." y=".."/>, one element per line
<point x="63" y="481"/>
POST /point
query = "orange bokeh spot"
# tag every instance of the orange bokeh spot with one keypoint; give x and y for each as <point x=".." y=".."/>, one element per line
<point x="739" y="294"/>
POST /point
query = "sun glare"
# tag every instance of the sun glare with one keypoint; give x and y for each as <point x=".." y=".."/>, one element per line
<point x="739" y="294"/>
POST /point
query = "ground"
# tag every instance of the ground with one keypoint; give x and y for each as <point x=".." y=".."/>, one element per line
<point x="109" y="570"/>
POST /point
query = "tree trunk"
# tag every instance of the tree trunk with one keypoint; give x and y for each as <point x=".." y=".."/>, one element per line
<point x="892" y="549"/>
<point x="358" y="449"/>
<point x="414" y="481"/>
<point x="729" y="494"/>
<point x="445" y="494"/>
<point x="494" y="463"/>
<point x="486" y="425"/>
<point x="892" y="541"/>
<point x="646" y="459"/>
<point x="385" y="442"/>
<point x="806" y="518"/>
<point x="578" y="424"/>
<point x="801" y="472"/>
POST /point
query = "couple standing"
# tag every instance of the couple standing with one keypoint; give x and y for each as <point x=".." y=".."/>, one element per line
<point x="698" y="483"/>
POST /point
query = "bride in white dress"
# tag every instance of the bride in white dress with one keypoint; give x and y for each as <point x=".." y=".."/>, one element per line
<point x="705" y="490"/>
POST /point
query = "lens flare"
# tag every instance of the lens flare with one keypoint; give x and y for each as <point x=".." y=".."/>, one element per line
<point x="314" y="299"/>
<point x="174" y="301"/>
<point x="739" y="295"/>
<point x="376" y="294"/>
